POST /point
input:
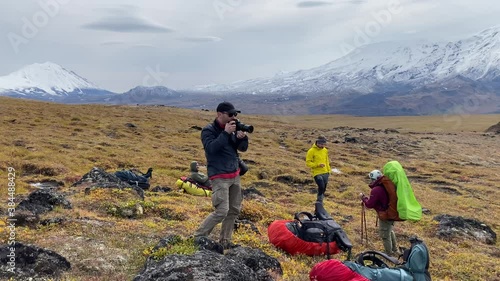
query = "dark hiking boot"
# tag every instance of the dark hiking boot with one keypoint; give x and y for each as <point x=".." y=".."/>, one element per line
<point x="229" y="245"/>
<point x="206" y="243"/>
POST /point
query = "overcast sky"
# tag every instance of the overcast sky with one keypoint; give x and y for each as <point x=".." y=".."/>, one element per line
<point x="119" y="44"/>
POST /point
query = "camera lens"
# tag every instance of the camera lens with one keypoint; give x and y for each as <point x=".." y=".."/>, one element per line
<point x="243" y="127"/>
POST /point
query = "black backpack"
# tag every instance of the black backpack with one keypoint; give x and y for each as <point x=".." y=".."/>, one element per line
<point x="321" y="228"/>
<point x="134" y="179"/>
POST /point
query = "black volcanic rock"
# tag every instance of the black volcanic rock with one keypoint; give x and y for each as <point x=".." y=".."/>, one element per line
<point x="31" y="262"/>
<point x="236" y="264"/>
<point x="457" y="226"/>
<point x="42" y="201"/>
<point x="494" y="129"/>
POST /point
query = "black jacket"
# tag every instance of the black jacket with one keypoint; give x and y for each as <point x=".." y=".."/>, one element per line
<point x="221" y="149"/>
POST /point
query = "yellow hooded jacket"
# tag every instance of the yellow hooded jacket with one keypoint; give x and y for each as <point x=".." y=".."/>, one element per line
<point x="315" y="157"/>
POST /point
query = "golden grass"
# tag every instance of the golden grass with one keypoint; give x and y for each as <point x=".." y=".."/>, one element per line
<point x="62" y="142"/>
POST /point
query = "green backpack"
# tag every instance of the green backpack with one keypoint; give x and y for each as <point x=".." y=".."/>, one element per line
<point x="408" y="206"/>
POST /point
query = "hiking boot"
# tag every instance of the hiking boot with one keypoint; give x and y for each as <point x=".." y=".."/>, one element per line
<point x="206" y="243"/>
<point x="229" y="245"/>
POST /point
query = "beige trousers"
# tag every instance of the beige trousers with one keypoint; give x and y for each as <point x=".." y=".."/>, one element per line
<point x="226" y="199"/>
<point x="388" y="236"/>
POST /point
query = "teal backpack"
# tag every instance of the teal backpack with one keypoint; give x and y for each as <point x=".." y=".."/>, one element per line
<point x="415" y="266"/>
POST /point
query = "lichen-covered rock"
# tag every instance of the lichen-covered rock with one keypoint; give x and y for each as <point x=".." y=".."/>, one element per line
<point x="238" y="264"/>
<point x="258" y="261"/>
<point x="25" y="218"/>
<point x="99" y="178"/>
<point x="456" y="226"/>
<point x="494" y="129"/>
<point x="42" y="201"/>
<point x="203" y="265"/>
<point x="30" y="261"/>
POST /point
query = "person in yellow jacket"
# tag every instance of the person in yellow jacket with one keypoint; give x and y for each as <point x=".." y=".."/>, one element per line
<point x="317" y="159"/>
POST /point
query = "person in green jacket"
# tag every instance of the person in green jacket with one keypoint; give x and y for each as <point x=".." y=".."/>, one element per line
<point x="198" y="176"/>
<point x="317" y="159"/>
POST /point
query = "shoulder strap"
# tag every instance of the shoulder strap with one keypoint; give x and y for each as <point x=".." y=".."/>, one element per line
<point x="376" y="257"/>
<point x="307" y="214"/>
<point x="320" y="212"/>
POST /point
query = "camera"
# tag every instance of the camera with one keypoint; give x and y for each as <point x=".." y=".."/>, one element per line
<point x="243" y="127"/>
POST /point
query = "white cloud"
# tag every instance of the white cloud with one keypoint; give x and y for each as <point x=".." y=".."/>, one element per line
<point x="125" y="18"/>
<point x="192" y="42"/>
<point x="201" y="39"/>
<point x="112" y="43"/>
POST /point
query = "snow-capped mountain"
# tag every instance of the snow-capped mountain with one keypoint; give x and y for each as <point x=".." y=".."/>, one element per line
<point x="46" y="81"/>
<point x="391" y="78"/>
<point x="382" y="66"/>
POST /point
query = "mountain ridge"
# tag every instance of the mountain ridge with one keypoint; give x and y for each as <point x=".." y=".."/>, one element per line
<point x="375" y="79"/>
<point x="372" y="66"/>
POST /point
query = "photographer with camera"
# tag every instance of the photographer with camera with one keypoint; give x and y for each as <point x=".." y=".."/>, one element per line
<point x="222" y="140"/>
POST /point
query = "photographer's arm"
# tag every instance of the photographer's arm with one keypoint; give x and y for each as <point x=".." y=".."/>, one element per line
<point x="212" y="144"/>
<point x="241" y="141"/>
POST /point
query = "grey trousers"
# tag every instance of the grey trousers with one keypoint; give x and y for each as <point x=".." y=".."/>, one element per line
<point x="322" y="181"/>
<point x="226" y="199"/>
<point x="388" y="237"/>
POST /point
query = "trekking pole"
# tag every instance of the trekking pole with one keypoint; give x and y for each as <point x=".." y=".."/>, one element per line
<point x="364" y="233"/>
<point x="362" y="211"/>
<point x="364" y="222"/>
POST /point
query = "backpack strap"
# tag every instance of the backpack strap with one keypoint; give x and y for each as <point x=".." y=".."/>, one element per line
<point x="188" y="179"/>
<point x="320" y="212"/>
<point x="195" y="183"/>
<point x="377" y="258"/>
<point x="307" y="214"/>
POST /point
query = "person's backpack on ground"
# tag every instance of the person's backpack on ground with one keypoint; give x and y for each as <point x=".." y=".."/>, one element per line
<point x="415" y="265"/>
<point x="400" y="193"/>
<point x="134" y="179"/>
<point x="374" y="266"/>
<point x="192" y="187"/>
<point x="321" y="228"/>
<point x="308" y="234"/>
